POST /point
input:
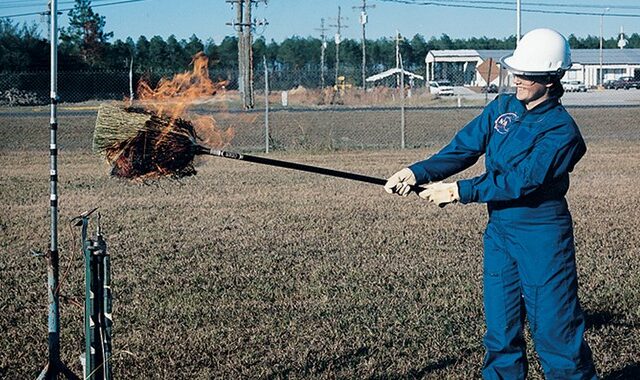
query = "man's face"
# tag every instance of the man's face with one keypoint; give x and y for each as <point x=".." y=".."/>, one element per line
<point x="530" y="88"/>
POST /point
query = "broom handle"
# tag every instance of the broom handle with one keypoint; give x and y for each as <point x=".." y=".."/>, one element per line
<point x="297" y="166"/>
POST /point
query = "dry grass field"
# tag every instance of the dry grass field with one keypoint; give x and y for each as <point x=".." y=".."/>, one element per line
<point x="247" y="271"/>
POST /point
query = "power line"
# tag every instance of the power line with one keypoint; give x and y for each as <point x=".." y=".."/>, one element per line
<point x="552" y="5"/>
<point x="68" y="9"/>
<point x="35" y="4"/>
<point x="449" y="4"/>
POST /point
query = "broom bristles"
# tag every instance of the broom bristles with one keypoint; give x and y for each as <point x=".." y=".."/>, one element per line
<point x="115" y="125"/>
<point x="139" y="144"/>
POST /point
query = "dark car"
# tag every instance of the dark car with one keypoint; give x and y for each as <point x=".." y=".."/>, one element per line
<point x="492" y="88"/>
<point x="609" y="84"/>
<point x="627" y="83"/>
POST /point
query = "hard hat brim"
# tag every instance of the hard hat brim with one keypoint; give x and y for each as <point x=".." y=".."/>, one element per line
<point x="507" y="63"/>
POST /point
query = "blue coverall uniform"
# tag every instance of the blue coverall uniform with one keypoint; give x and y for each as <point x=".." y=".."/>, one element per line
<point x="529" y="256"/>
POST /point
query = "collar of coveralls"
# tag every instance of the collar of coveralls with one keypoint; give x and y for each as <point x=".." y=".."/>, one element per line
<point x="542" y="107"/>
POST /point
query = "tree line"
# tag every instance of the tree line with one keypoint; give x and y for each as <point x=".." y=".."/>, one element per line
<point x="84" y="46"/>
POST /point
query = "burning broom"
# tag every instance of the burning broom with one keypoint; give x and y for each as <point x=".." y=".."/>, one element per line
<point x="139" y="144"/>
<point x="144" y="143"/>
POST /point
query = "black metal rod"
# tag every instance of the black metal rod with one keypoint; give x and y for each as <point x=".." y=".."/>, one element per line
<point x="296" y="166"/>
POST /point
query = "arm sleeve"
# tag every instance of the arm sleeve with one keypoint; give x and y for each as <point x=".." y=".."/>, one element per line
<point x="555" y="155"/>
<point x="462" y="152"/>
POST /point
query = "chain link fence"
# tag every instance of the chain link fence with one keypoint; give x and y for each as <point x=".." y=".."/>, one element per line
<point x="302" y="115"/>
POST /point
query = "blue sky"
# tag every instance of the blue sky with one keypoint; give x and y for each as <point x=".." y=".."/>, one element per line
<point x="207" y="18"/>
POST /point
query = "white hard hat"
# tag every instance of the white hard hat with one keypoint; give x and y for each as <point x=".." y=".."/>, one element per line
<point x="539" y="52"/>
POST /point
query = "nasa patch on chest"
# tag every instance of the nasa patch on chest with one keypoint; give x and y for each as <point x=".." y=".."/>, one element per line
<point x="504" y="122"/>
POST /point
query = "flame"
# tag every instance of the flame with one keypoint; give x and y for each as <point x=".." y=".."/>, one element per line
<point x="172" y="98"/>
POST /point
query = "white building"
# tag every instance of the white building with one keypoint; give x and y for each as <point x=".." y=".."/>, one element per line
<point x="477" y="67"/>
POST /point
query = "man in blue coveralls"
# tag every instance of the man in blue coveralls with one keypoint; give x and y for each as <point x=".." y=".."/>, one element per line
<point x="531" y="144"/>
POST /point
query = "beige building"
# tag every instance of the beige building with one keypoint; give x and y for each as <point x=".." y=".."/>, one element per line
<point x="467" y="67"/>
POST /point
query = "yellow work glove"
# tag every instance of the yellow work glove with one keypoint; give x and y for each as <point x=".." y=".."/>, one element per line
<point x="401" y="182"/>
<point x="441" y="193"/>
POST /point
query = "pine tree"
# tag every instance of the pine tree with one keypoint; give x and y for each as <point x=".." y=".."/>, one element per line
<point x="85" y="34"/>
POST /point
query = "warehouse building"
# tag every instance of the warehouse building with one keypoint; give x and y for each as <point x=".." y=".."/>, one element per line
<point x="478" y="67"/>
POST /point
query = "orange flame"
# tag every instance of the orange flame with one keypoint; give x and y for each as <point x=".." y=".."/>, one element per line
<point x="172" y="98"/>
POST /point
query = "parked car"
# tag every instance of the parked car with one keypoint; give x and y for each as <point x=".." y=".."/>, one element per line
<point x="440" y="87"/>
<point x="627" y="83"/>
<point x="609" y="84"/>
<point x="574" y="86"/>
<point x="492" y="88"/>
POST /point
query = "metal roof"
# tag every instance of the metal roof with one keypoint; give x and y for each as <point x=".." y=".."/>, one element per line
<point x="390" y="72"/>
<point x="582" y="56"/>
<point x="454" y="53"/>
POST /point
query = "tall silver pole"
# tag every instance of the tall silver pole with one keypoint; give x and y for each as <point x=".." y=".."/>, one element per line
<point x="266" y="105"/>
<point x="54" y="316"/>
<point x="54" y="365"/>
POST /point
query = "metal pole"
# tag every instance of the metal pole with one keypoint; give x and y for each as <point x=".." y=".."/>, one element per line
<point x="53" y="271"/>
<point x="518" y="21"/>
<point x="601" y="22"/>
<point x="266" y="105"/>
<point x="402" y="116"/>
<point x="601" y="76"/>
<point x="54" y="365"/>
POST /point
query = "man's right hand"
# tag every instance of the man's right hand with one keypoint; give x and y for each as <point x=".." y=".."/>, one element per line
<point x="401" y="182"/>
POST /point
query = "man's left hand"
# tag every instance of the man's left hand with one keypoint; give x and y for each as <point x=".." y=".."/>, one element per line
<point x="441" y="193"/>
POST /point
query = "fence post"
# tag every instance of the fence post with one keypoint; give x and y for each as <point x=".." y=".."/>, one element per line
<point x="131" y="82"/>
<point x="266" y="105"/>
<point x="402" y="120"/>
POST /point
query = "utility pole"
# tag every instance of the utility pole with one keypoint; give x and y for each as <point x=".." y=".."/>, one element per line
<point x="248" y="57"/>
<point x="398" y="38"/>
<point x="244" y="26"/>
<point x="323" y="47"/>
<point x="339" y="27"/>
<point x="238" y="25"/>
<point x="601" y="76"/>
<point x="363" y="21"/>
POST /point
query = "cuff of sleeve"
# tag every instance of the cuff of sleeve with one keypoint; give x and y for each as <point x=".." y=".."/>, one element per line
<point x="420" y="172"/>
<point x="465" y="191"/>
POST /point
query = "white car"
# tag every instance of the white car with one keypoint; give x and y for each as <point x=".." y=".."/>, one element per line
<point x="574" y="86"/>
<point x="440" y="87"/>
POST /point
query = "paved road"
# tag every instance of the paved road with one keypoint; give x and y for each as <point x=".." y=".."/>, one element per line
<point x="596" y="98"/>
<point x="589" y="98"/>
